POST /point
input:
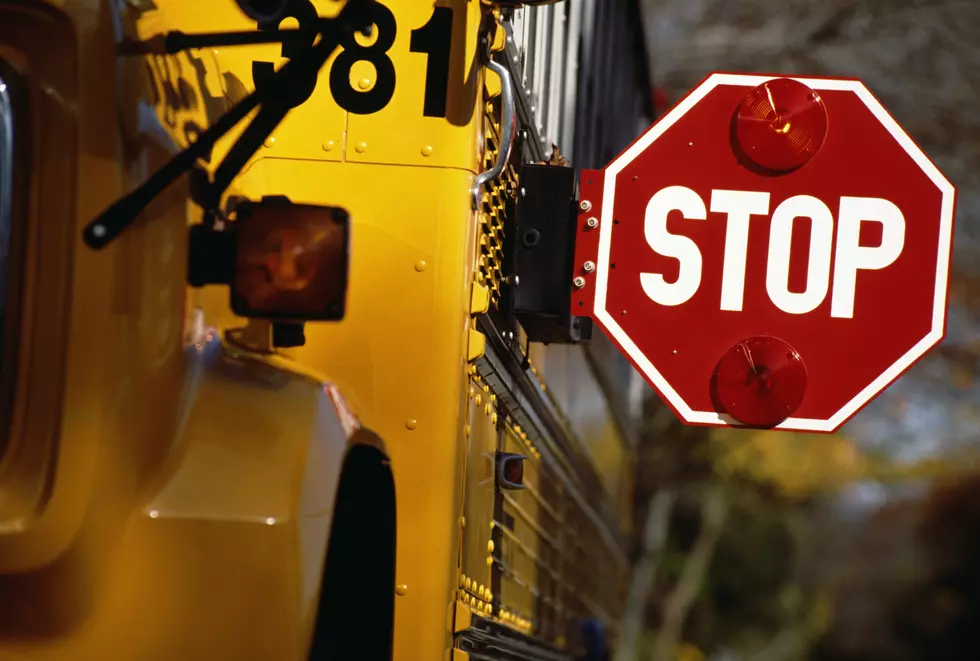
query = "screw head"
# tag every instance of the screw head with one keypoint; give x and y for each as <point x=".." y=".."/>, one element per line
<point x="589" y="267"/>
<point x="585" y="205"/>
<point x="592" y="223"/>
<point x="579" y="282"/>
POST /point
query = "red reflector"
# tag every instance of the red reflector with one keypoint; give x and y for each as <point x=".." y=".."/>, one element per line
<point x="781" y="124"/>
<point x="760" y="381"/>
<point x="514" y="471"/>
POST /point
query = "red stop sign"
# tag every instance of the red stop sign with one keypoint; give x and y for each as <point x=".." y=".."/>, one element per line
<point x="771" y="253"/>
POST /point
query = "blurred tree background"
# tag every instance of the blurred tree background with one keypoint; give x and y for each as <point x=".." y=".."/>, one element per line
<point x="865" y="545"/>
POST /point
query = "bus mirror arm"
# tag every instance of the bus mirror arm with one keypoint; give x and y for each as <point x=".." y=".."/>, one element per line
<point x="508" y="122"/>
<point x="121" y="214"/>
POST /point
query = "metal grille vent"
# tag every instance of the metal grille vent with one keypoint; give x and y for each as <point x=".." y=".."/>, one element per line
<point x="493" y="212"/>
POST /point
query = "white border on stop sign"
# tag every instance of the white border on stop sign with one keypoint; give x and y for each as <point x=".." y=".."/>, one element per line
<point x="942" y="264"/>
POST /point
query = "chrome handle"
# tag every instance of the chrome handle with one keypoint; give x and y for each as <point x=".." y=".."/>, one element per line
<point x="508" y="124"/>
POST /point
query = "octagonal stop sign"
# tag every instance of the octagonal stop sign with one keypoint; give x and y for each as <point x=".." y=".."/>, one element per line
<point x="772" y="253"/>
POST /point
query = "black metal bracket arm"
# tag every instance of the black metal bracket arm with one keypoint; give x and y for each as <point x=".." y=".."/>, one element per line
<point x="120" y="215"/>
<point x="171" y="43"/>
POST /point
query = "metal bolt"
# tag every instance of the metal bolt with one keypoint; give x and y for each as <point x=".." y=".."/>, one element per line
<point x="585" y="205"/>
<point x="589" y="267"/>
<point x="592" y="223"/>
<point x="579" y="282"/>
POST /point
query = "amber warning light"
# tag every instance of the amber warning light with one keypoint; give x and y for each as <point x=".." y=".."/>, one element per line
<point x="291" y="261"/>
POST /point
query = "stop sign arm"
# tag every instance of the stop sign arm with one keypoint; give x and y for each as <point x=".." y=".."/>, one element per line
<point x="737" y="337"/>
<point x="588" y="222"/>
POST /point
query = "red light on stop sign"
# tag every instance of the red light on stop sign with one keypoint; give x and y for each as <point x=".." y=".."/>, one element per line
<point x="760" y="381"/>
<point x="781" y="124"/>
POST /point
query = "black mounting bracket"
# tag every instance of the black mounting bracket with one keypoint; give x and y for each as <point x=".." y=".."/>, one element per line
<point x="540" y="249"/>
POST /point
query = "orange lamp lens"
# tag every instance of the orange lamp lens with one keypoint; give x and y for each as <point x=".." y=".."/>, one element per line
<point x="760" y="381"/>
<point x="291" y="262"/>
<point x="514" y="471"/>
<point x="781" y="124"/>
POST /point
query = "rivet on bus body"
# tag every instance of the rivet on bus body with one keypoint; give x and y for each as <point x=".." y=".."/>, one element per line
<point x="427" y="150"/>
<point x="269" y="142"/>
<point x="270" y="521"/>
<point x="154" y="514"/>
<point x="328" y="145"/>
<point x="364" y="83"/>
<point x="579" y="282"/>
<point x="592" y="223"/>
<point x="489" y="561"/>
<point x="360" y="147"/>
<point x="401" y="590"/>
<point x="589" y="267"/>
<point x="411" y="424"/>
<point x="490" y="546"/>
<point x="420" y="265"/>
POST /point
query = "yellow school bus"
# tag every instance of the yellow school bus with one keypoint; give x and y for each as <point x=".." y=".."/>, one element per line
<point x="286" y="372"/>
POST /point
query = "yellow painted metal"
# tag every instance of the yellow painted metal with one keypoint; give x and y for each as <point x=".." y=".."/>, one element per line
<point x="522" y="542"/>
<point x="166" y="482"/>
<point x="399" y="354"/>
<point x="480" y="436"/>
<point x="187" y="486"/>
<point x="400" y="133"/>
